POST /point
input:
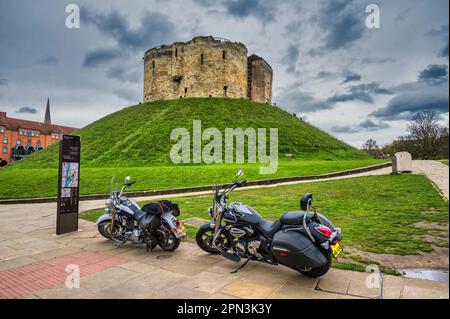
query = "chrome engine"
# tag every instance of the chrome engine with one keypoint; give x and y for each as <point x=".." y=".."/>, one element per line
<point x="244" y="247"/>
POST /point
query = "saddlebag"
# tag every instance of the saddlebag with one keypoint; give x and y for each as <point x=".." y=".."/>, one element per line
<point x="150" y="222"/>
<point x="160" y="207"/>
<point x="292" y="248"/>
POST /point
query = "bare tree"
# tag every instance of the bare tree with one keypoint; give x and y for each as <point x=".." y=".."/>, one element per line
<point x="371" y="147"/>
<point x="426" y="133"/>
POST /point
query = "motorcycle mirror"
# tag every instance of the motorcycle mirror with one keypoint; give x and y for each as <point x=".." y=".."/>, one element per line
<point x="240" y="173"/>
<point x="127" y="179"/>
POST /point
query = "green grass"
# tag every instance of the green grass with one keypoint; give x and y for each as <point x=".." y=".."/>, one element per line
<point x="140" y="135"/>
<point x="376" y="213"/>
<point x="445" y="162"/>
<point x="24" y="183"/>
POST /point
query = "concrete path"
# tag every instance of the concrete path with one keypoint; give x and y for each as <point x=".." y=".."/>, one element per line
<point x="28" y="243"/>
<point x="437" y="172"/>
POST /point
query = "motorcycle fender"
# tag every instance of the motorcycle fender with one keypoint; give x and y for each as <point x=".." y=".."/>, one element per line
<point x="294" y="249"/>
<point x="170" y="221"/>
<point x="105" y="217"/>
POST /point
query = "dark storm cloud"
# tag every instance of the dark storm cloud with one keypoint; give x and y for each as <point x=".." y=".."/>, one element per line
<point x="291" y="58"/>
<point x="49" y="60"/>
<point x="3" y="82"/>
<point x="443" y="53"/>
<point x="27" y="109"/>
<point x="404" y="105"/>
<point x="154" y="28"/>
<point x="99" y="57"/>
<point x="342" y="22"/>
<point x="367" y="125"/>
<point x="434" y="72"/>
<point x="263" y="10"/>
<point x="442" y="31"/>
<point x="295" y="100"/>
<point x="378" y="60"/>
<point x="361" y="93"/>
<point x="121" y="73"/>
<point x="352" y="77"/>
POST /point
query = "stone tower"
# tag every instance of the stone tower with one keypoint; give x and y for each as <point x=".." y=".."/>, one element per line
<point x="47" y="119"/>
<point x="205" y="67"/>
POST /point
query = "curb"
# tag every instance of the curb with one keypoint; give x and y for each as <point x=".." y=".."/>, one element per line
<point x="201" y="188"/>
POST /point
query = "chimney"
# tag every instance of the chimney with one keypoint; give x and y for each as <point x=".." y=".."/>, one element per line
<point x="47" y="119"/>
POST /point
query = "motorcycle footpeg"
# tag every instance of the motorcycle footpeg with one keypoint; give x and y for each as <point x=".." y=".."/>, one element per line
<point x="232" y="257"/>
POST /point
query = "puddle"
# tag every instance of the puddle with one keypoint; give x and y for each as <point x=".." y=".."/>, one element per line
<point x="163" y="256"/>
<point x="425" y="273"/>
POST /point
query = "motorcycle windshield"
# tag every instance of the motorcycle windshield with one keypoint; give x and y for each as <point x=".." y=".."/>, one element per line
<point x="115" y="185"/>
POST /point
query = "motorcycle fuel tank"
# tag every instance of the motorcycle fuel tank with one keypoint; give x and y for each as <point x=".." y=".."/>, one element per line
<point x="243" y="214"/>
<point x="292" y="248"/>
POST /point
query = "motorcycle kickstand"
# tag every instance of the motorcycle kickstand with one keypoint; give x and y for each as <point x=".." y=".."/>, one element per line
<point x="240" y="267"/>
<point x="119" y="244"/>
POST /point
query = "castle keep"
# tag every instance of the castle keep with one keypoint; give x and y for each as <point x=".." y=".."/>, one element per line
<point x="206" y="67"/>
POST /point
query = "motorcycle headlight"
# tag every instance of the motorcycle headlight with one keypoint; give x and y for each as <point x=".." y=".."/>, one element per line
<point x="108" y="202"/>
<point x="106" y="210"/>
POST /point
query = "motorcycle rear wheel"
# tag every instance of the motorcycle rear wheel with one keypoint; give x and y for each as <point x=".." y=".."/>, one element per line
<point x="318" y="272"/>
<point x="169" y="242"/>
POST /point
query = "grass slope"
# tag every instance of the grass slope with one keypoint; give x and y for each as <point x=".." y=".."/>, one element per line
<point x="140" y="135"/>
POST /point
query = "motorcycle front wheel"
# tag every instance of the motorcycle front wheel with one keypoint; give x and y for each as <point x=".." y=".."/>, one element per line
<point x="168" y="241"/>
<point x="317" y="272"/>
<point x="204" y="239"/>
<point x="104" y="228"/>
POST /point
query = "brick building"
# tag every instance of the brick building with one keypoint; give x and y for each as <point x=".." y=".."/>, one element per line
<point x="20" y="138"/>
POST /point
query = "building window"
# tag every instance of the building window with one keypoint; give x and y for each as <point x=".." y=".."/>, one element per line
<point x="225" y="89"/>
<point x="5" y="140"/>
<point x="2" y="130"/>
<point x="29" y="142"/>
<point x="4" y="150"/>
<point x="37" y="134"/>
<point x="38" y="143"/>
<point x="19" y="142"/>
<point x="224" y="55"/>
<point x="20" y="132"/>
<point x="201" y="58"/>
<point x="176" y="52"/>
<point x="153" y="64"/>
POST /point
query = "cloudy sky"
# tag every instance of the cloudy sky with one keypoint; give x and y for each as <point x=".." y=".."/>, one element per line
<point x="352" y="81"/>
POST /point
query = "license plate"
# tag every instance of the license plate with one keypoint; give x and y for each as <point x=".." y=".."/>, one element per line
<point x="336" y="249"/>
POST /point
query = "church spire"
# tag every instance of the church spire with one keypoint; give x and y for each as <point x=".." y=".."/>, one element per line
<point x="47" y="119"/>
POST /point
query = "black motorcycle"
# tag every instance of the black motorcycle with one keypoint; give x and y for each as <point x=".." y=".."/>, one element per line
<point x="154" y="224"/>
<point x="302" y="240"/>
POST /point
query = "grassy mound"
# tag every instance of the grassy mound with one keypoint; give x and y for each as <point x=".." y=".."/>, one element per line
<point x="140" y="135"/>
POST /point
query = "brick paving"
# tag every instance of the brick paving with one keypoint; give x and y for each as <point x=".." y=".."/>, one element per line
<point x="25" y="280"/>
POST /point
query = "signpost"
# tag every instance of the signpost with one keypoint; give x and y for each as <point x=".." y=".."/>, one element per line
<point x="68" y="184"/>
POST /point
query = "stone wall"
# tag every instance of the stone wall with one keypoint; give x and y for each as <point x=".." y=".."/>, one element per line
<point x="260" y="77"/>
<point x="202" y="67"/>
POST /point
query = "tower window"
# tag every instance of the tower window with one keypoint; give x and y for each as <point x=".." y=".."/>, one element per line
<point x="185" y="90"/>
<point x="153" y="64"/>
<point x="201" y="58"/>
<point x="224" y="55"/>
<point x="176" y="52"/>
<point x="225" y="89"/>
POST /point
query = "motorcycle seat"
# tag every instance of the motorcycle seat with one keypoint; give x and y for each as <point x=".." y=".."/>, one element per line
<point x="269" y="228"/>
<point x="292" y="218"/>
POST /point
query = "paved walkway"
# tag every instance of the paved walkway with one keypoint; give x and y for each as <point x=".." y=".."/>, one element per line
<point x="437" y="172"/>
<point x="28" y="243"/>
